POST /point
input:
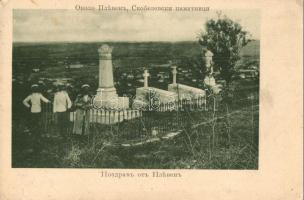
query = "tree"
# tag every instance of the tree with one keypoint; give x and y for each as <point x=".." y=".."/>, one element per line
<point x="224" y="38"/>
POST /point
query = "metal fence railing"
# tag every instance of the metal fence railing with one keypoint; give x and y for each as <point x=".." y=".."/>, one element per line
<point x="134" y="124"/>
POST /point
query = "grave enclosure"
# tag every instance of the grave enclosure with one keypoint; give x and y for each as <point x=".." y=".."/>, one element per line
<point x="154" y="111"/>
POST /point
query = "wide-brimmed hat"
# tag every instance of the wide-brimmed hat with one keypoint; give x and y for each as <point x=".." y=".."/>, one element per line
<point x="34" y="86"/>
<point x="85" y="86"/>
<point x="60" y="86"/>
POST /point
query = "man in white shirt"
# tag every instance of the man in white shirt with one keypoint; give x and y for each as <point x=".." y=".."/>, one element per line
<point x="62" y="103"/>
<point x="33" y="101"/>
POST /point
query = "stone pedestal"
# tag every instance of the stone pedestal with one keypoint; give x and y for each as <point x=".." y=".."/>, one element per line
<point x="113" y="103"/>
<point x="106" y="93"/>
<point x="210" y="81"/>
<point x="105" y="117"/>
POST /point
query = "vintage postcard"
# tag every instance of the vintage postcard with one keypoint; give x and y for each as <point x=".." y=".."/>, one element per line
<point x="130" y="96"/>
<point x="166" y="100"/>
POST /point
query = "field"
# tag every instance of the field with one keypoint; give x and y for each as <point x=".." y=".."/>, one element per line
<point x="129" y="60"/>
<point x="53" y="60"/>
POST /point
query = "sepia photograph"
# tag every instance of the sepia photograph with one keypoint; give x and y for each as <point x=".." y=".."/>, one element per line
<point x="135" y="90"/>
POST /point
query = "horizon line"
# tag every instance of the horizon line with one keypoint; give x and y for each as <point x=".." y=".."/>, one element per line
<point x="133" y="41"/>
<point x="110" y="41"/>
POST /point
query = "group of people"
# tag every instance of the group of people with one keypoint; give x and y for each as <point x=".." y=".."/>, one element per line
<point x="62" y="106"/>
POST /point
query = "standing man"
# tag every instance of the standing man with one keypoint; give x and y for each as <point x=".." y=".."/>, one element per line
<point x="33" y="101"/>
<point x="62" y="103"/>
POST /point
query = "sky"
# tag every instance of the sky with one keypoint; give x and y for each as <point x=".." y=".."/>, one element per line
<point x="94" y="26"/>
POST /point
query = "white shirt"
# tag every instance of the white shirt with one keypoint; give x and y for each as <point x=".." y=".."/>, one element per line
<point x="62" y="102"/>
<point x="85" y="98"/>
<point x="35" y="100"/>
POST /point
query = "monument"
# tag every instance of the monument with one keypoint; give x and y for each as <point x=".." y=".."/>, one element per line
<point x="207" y="56"/>
<point x="184" y="91"/>
<point x="150" y="95"/>
<point x="106" y="82"/>
<point x="209" y="80"/>
<point x="106" y="96"/>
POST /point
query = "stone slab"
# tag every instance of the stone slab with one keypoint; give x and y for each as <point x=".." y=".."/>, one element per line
<point x="156" y="94"/>
<point x="186" y="92"/>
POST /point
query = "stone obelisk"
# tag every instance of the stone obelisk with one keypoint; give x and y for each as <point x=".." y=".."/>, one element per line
<point x="106" y="96"/>
<point x="106" y="89"/>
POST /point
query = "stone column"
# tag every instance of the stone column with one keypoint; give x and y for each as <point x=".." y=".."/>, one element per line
<point x="106" y="83"/>
<point x="208" y="60"/>
<point x="174" y="72"/>
<point x="146" y="75"/>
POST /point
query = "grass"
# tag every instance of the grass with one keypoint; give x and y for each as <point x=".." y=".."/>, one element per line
<point x="193" y="149"/>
